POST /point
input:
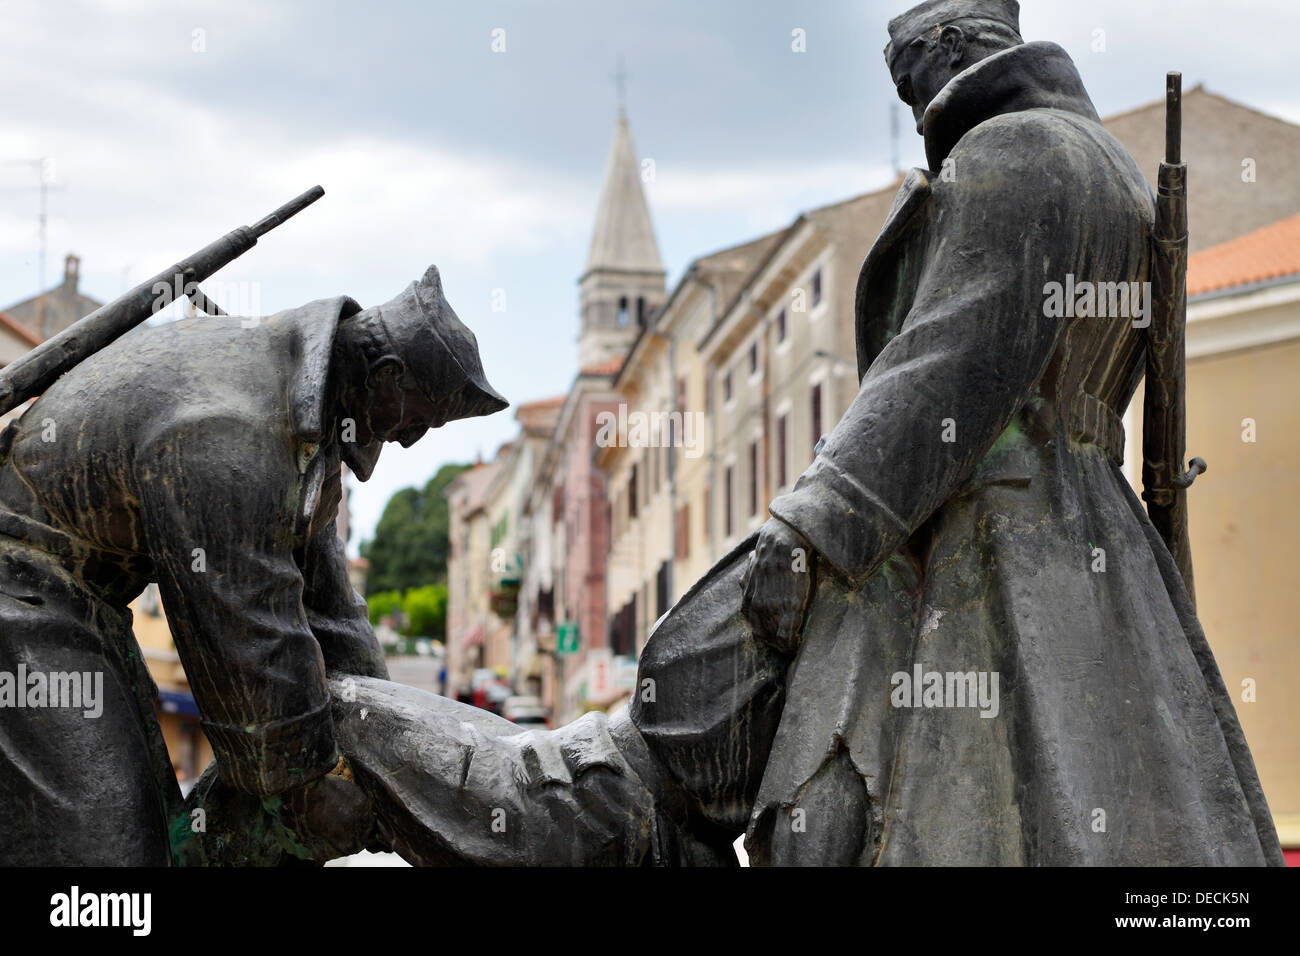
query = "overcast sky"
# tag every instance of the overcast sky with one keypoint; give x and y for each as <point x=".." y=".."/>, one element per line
<point x="170" y="123"/>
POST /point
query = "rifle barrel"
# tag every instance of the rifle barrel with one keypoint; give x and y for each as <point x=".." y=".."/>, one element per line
<point x="33" y="373"/>
<point x="1173" y="118"/>
<point x="285" y="212"/>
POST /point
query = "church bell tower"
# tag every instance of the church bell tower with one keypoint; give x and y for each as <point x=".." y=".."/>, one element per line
<point x="623" y="282"/>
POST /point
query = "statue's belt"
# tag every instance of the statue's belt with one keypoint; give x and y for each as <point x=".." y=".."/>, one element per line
<point x="1089" y="419"/>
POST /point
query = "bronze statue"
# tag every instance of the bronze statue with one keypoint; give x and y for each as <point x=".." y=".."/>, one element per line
<point x="205" y="455"/>
<point x="969" y="518"/>
<point x="958" y="640"/>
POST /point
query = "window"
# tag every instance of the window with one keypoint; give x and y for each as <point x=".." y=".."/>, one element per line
<point x="622" y="630"/>
<point x="782" y="424"/>
<point x="780" y="326"/>
<point x="645" y="605"/>
<point x="661" y="594"/>
<point x="753" y="358"/>
<point x="753" y="478"/>
<point x="817" y="288"/>
<point x="622" y="312"/>
<point x="726" y="387"/>
<point x="682" y="528"/>
<point x="816" y="415"/>
<point x="631" y="493"/>
<point x="640" y="311"/>
<point x="728" y="490"/>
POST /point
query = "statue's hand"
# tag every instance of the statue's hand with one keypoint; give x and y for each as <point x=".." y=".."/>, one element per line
<point x="777" y="584"/>
<point x="327" y="818"/>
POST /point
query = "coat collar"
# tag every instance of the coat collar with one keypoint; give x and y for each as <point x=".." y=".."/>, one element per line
<point x="312" y="328"/>
<point x="1028" y="76"/>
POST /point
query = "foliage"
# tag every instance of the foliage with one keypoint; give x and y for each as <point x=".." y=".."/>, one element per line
<point x="426" y="611"/>
<point x="382" y="603"/>
<point x="411" y="546"/>
<point x="423" y="610"/>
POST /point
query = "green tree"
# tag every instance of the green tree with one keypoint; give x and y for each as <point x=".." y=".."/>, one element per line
<point x="383" y="602"/>
<point x="426" y="611"/>
<point x="411" y="546"/>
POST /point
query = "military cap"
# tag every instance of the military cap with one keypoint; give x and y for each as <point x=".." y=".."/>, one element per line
<point x="439" y="351"/>
<point x="926" y="17"/>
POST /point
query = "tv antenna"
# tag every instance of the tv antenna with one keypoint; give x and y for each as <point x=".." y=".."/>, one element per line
<point x="44" y="167"/>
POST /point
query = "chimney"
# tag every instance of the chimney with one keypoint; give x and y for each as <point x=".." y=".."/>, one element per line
<point x="71" y="267"/>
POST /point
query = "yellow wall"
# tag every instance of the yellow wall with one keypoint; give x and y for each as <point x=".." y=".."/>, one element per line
<point x="1245" y="526"/>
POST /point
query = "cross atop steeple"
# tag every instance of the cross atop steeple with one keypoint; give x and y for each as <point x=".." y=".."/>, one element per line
<point x="620" y="77"/>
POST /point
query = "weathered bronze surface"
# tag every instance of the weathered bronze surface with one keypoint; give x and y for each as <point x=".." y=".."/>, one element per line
<point x="205" y="455"/>
<point x="917" y="660"/>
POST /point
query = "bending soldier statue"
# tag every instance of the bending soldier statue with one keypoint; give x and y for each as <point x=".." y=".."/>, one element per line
<point x="205" y="454"/>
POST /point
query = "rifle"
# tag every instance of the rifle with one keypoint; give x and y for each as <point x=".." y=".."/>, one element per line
<point x="1164" y="407"/>
<point x="36" y="371"/>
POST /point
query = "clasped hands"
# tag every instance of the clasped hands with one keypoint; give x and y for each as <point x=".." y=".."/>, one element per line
<point x="777" y="584"/>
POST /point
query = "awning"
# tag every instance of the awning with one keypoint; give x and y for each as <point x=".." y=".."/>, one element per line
<point x="177" y="702"/>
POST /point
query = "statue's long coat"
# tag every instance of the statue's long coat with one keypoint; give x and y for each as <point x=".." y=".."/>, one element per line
<point x="959" y="512"/>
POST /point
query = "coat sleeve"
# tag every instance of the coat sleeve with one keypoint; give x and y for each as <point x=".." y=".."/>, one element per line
<point x="968" y="354"/>
<point x="218" y="518"/>
<point x="336" y="613"/>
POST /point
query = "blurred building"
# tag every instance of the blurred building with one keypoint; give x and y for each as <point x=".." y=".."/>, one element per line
<point x="16" y="339"/>
<point x="50" y="312"/>
<point x="534" y="586"/>
<point x="662" y="464"/>
<point x="564" y="520"/>
<point x="469" y="575"/>
<point x="178" y="714"/>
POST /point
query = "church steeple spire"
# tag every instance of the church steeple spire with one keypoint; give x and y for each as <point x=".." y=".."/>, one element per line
<point x="623" y="237"/>
<point x="624" y="277"/>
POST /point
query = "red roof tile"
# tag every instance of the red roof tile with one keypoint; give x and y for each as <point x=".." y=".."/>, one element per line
<point x="20" y="330"/>
<point x="610" y="367"/>
<point x="1267" y="253"/>
<point x="555" y="401"/>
